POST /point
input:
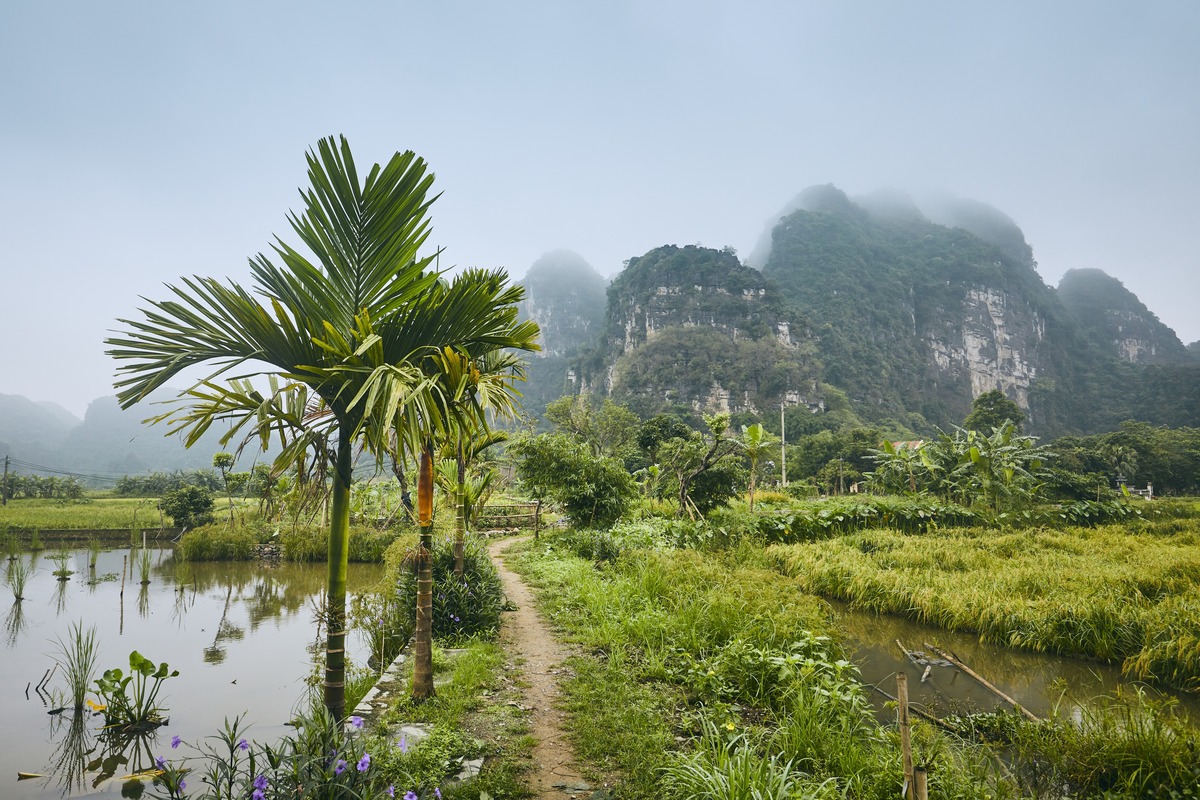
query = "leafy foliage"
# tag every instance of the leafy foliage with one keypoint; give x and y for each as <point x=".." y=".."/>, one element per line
<point x="594" y="491"/>
<point x="188" y="506"/>
<point x="465" y="605"/>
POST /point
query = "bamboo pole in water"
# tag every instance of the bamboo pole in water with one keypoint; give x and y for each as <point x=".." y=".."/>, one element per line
<point x="983" y="682"/>
<point x="905" y="739"/>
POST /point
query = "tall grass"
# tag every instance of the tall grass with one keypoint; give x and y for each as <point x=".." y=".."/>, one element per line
<point x="77" y="658"/>
<point x="144" y="564"/>
<point x="688" y="643"/>
<point x="17" y="576"/>
<point x="1107" y="592"/>
<point x="93" y="551"/>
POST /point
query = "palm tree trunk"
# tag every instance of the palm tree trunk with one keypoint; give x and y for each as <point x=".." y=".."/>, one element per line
<point x="460" y="513"/>
<point x="423" y="636"/>
<point x="337" y="563"/>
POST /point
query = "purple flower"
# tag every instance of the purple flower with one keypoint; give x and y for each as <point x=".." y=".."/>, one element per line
<point x="257" y="794"/>
<point x="243" y="745"/>
<point x="410" y="795"/>
<point x="391" y="791"/>
<point x="340" y="768"/>
<point x="182" y="786"/>
<point x="260" y="781"/>
<point x="160" y="762"/>
<point x="357" y="722"/>
<point x="438" y="792"/>
<point x="364" y="763"/>
<point x="175" y="742"/>
<point x="402" y="744"/>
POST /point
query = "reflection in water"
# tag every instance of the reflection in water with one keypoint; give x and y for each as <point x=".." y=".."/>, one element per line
<point x="14" y="622"/>
<point x="143" y="601"/>
<point x="69" y="761"/>
<point x="239" y="634"/>
<point x="60" y="598"/>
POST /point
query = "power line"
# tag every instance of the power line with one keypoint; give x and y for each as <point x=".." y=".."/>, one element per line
<point x="55" y="471"/>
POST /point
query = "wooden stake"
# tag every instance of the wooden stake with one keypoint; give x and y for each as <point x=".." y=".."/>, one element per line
<point x="983" y="682"/>
<point x="905" y="739"/>
<point x="919" y="784"/>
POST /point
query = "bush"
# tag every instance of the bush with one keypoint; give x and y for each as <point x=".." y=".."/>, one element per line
<point x="188" y="506"/>
<point x="594" y="491"/>
<point x="462" y="606"/>
<point x="217" y="543"/>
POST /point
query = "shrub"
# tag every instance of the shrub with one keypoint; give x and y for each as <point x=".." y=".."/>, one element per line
<point x="217" y="543"/>
<point x="188" y="506"/>
<point x="594" y="491"/>
<point x="462" y="605"/>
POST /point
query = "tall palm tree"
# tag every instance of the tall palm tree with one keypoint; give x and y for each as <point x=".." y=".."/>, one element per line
<point x="361" y="320"/>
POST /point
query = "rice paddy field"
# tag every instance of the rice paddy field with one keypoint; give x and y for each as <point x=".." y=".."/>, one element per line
<point x="1117" y="593"/>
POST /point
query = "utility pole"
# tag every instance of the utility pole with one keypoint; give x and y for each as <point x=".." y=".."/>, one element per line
<point x="783" y="444"/>
<point x="4" y="486"/>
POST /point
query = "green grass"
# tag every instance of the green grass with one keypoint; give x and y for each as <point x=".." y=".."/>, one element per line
<point x="99" y="514"/>
<point x="679" y="643"/>
<point x="476" y="712"/>
<point x="1115" y="593"/>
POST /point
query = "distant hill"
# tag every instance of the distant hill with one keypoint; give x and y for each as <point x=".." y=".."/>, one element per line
<point x="1119" y="323"/>
<point x="899" y="312"/>
<point x="565" y="295"/>
<point x="691" y="328"/>
<point x="107" y="441"/>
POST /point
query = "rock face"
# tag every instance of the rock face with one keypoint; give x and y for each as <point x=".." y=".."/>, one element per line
<point x="993" y="346"/>
<point x="566" y="297"/>
<point x="1117" y="321"/>
<point x="691" y="328"/>
<point x="915" y="318"/>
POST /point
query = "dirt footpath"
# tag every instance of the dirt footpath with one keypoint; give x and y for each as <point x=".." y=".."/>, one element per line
<point x="538" y="658"/>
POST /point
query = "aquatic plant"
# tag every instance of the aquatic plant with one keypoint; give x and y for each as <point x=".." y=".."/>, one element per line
<point x="144" y="565"/>
<point x="93" y="551"/>
<point x="61" y="559"/>
<point x="17" y="576"/>
<point x="131" y="700"/>
<point x="77" y="659"/>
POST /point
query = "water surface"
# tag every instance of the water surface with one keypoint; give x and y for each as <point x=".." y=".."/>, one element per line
<point x="242" y="635"/>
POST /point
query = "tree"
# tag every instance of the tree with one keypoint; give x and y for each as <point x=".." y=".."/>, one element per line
<point x="702" y="467"/>
<point x="610" y="429"/>
<point x="594" y="490"/>
<point x="991" y="410"/>
<point x="224" y="462"/>
<point x="361" y="322"/>
<point x="755" y="444"/>
<point x="188" y="506"/>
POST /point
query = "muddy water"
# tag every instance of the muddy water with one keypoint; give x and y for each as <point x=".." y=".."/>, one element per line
<point x="242" y="635"/>
<point x="1038" y="682"/>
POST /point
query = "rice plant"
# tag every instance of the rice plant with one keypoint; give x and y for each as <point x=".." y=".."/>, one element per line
<point x="93" y="551"/>
<point x="18" y="577"/>
<point x="144" y="564"/>
<point x="35" y="540"/>
<point x="62" y="559"/>
<point x="77" y="659"/>
<point x="12" y="546"/>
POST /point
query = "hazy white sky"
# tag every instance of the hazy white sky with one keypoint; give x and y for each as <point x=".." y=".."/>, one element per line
<point x="147" y="140"/>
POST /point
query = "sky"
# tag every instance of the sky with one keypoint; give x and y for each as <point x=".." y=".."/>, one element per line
<point x="144" y="141"/>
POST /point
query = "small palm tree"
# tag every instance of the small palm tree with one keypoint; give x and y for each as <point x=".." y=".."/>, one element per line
<point x="361" y="322"/>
